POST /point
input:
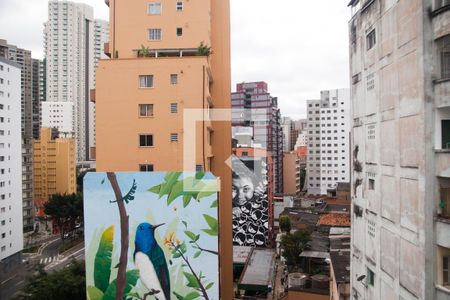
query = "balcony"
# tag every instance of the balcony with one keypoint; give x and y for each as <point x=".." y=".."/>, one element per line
<point x="156" y="53"/>
<point x="92" y="95"/>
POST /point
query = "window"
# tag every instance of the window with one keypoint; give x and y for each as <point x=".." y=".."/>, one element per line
<point x="145" y="110"/>
<point x="146" y="168"/>
<point x="443" y="46"/>
<point x="174" y="137"/>
<point x="370" y="277"/>
<point x="146" y="140"/>
<point x="154" y="8"/>
<point x="444" y="203"/>
<point x="199" y="168"/>
<point x="145" y="81"/>
<point x="446" y="270"/>
<point x="154" y="34"/>
<point x="371" y="184"/>
<point x="370" y="39"/>
<point x="445" y="132"/>
<point x="179" y="31"/>
<point x="356" y="78"/>
<point x="173" y="108"/>
<point x="1" y="67"/>
<point x="3" y="235"/>
<point x="179" y="5"/>
<point x="244" y="153"/>
<point x="173" y="78"/>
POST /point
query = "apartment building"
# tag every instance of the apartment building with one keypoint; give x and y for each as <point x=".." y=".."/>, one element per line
<point x="400" y="70"/>
<point x="54" y="167"/>
<point x="72" y="39"/>
<point x="291" y="173"/>
<point x="11" y="221"/>
<point x="253" y="106"/>
<point x="29" y="121"/>
<point x="161" y="65"/>
<point x="328" y="141"/>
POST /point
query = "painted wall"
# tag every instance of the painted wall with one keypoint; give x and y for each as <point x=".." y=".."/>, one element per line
<point x="170" y="224"/>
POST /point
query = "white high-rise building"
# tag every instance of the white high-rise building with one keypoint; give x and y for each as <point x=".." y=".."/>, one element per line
<point x="73" y="40"/>
<point x="11" y="222"/>
<point x="302" y="139"/>
<point x="328" y="141"/>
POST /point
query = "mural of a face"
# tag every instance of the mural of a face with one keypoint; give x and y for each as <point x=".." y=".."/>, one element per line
<point x="243" y="190"/>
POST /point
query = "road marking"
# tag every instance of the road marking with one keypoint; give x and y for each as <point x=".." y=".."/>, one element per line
<point x="5" y="281"/>
<point x="19" y="283"/>
<point x="41" y="261"/>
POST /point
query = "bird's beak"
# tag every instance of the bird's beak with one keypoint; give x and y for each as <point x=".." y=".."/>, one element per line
<point x="156" y="226"/>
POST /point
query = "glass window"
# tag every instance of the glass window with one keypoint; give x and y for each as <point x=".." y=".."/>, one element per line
<point x="179" y="5"/>
<point x="179" y="31"/>
<point x="174" y="137"/>
<point x="146" y="140"/>
<point x="173" y="78"/>
<point x="145" y="81"/>
<point x="146" y="168"/>
<point x="371" y="39"/>
<point x="173" y="108"/>
<point x="154" y="34"/>
<point x="154" y="8"/>
<point x="145" y="110"/>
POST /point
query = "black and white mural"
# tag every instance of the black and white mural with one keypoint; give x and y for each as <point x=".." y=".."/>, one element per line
<point x="250" y="203"/>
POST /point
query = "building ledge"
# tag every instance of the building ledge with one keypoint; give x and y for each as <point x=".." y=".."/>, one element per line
<point x="443" y="289"/>
<point x="442" y="219"/>
<point x="442" y="150"/>
<point x="440" y="10"/>
<point x="441" y="80"/>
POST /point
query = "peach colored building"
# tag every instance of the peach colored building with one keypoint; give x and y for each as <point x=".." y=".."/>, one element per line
<point x="155" y="73"/>
<point x="291" y="173"/>
<point x="53" y="167"/>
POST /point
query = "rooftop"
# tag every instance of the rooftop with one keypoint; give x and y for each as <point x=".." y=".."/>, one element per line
<point x="241" y="253"/>
<point x="340" y="261"/>
<point x="335" y="219"/>
<point x="259" y="271"/>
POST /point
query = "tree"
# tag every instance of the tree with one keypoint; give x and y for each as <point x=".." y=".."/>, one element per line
<point x="80" y="177"/>
<point x="285" y="224"/>
<point x="293" y="245"/>
<point x="69" y="283"/>
<point x="65" y="210"/>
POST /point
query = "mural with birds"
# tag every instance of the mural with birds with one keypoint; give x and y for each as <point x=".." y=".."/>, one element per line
<point x="150" y="261"/>
<point x="151" y="235"/>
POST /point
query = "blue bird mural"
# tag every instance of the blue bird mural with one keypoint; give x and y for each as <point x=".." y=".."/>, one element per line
<point x="150" y="260"/>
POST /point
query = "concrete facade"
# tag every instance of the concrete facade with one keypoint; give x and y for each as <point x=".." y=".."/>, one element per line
<point x="11" y="220"/>
<point x="400" y="97"/>
<point x="54" y="167"/>
<point x="253" y="106"/>
<point x="29" y="122"/>
<point x="146" y="94"/>
<point x="291" y="173"/>
<point x="328" y="141"/>
<point x="72" y="39"/>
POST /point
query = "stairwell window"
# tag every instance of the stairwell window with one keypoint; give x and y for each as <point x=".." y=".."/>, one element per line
<point x="146" y="140"/>
<point x="180" y="5"/>
<point x="371" y="39"/>
<point x="154" y="34"/>
<point x="173" y="79"/>
<point x="145" y="110"/>
<point x="145" y="81"/>
<point x="173" y="108"/>
<point x="174" y="137"/>
<point x="179" y="31"/>
<point x="154" y="8"/>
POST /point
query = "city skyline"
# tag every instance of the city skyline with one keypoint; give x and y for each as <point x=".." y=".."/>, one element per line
<point x="285" y="34"/>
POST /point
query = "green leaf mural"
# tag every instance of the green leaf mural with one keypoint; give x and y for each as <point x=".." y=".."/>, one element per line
<point x="94" y="293"/>
<point x="192" y="281"/>
<point x="169" y="180"/>
<point x="102" y="263"/>
<point x="132" y="278"/>
<point x="213" y="225"/>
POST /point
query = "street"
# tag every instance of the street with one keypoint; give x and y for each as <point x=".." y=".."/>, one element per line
<point x="47" y="256"/>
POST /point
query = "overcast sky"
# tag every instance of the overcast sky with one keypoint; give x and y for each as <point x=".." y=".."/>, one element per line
<point x="298" y="47"/>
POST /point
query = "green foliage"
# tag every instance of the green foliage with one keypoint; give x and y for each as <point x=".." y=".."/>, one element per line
<point x="69" y="283"/>
<point x="144" y="51"/>
<point x="132" y="278"/>
<point x="102" y="263"/>
<point x="192" y="281"/>
<point x="80" y="177"/>
<point x="190" y="188"/>
<point x="213" y="225"/>
<point x="293" y="245"/>
<point x="94" y="293"/>
<point x="204" y="50"/>
<point x="130" y="195"/>
<point x="285" y="224"/>
<point x="190" y="296"/>
<point x="302" y="178"/>
<point x="65" y="210"/>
